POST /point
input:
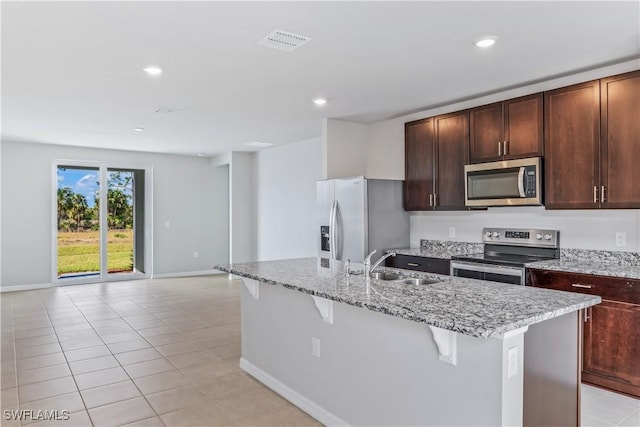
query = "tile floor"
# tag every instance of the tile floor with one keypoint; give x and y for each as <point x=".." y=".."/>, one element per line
<point x="157" y="353"/>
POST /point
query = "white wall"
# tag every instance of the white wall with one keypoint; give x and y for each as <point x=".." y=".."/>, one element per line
<point x="585" y="229"/>
<point x="286" y="199"/>
<point x="589" y="229"/>
<point x="219" y="189"/>
<point x="242" y="215"/>
<point x="180" y="196"/>
<point x="344" y="148"/>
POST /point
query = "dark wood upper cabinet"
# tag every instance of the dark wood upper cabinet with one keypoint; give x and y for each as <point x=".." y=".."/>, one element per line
<point x="452" y="153"/>
<point x="611" y="345"/>
<point x="436" y="150"/>
<point x="419" y="143"/>
<point x="572" y="147"/>
<point x="620" y="141"/>
<point x="507" y="130"/>
<point x="592" y="144"/>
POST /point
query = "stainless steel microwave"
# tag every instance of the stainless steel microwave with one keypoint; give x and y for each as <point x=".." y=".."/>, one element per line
<point x="506" y="183"/>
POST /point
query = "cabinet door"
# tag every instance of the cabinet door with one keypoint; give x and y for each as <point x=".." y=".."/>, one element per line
<point x="523" y="127"/>
<point x="620" y="141"/>
<point x="485" y="133"/>
<point x="419" y="165"/>
<point x="611" y="355"/>
<point x="452" y="153"/>
<point x="572" y="146"/>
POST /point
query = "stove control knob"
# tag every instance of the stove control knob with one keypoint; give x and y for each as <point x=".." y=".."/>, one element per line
<point x="547" y="237"/>
<point x="539" y="236"/>
<point x="488" y="234"/>
<point x="496" y="234"/>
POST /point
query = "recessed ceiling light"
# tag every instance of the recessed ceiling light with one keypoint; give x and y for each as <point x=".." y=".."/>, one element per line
<point x="138" y="129"/>
<point x="486" y="41"/>
<point x="152" y="70"/>
<point x="200" y="154"/>
<point x="319" y="101"/>
<point x="258" y="144"/>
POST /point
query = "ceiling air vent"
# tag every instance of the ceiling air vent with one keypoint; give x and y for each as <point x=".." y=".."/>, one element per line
<point x="283" y="40"/>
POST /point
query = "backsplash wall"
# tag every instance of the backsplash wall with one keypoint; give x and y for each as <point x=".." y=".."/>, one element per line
<point x="580" y="229"/>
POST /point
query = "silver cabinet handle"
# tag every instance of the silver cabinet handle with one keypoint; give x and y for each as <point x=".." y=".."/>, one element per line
<point x="586" y="314"/>
<point x="430" y="199"/>
<point x="505" y="147"/>
<point x="578" y="285"/>
<point x="602" y="190"/>
<point x="595" y="194"/>
<point x="435" y="199"/>
<point x="499" y="148"/>
<point x="413" y="264"/>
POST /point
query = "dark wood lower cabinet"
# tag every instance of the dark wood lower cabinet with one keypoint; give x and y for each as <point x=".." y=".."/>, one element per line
<point x="611" y="349"/>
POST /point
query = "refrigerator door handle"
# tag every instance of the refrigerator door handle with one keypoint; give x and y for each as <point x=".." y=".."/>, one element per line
<point x="332" y="229"/>
<point x="337" y="231"/>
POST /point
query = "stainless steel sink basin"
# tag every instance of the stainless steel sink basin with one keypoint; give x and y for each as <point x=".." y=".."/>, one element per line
<point x="416" y="281"/>
<point x="385" y="276"/>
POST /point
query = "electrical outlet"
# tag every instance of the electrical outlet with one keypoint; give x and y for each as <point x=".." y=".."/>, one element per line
<point x="315" y="346"/>
<point x="621" y="238"/>
<point x="452" y="232"/>
<point x="196" y="254"/>
<point x="512" y="362"/>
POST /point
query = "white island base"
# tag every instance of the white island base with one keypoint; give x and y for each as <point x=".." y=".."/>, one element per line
<point x="376" y="369"/>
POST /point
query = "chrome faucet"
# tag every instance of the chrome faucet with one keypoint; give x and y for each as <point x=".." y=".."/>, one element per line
<point x="368" y="268"/>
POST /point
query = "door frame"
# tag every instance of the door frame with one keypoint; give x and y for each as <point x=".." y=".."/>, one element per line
<point x="103" y="167"/>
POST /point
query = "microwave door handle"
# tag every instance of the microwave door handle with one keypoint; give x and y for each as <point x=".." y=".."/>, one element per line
<point x="521" y="182"/>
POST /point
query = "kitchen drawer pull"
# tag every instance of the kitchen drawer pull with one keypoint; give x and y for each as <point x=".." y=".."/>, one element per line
<point x="499" y="148"/>
<point x="578" y="285"/>
<point x="595" y="194"/>
<point x="413" y="264"/>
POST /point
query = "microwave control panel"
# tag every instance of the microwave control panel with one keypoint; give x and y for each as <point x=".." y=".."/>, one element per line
<point x="530" y="181"/>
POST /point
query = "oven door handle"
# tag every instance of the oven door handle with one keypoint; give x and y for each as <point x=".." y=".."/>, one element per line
<point x="507" y="271"/>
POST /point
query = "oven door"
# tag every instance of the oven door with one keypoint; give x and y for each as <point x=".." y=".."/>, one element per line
<point x="493" y="273"/>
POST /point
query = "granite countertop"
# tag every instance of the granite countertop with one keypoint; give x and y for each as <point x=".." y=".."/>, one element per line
<point x="471" y="307"/>
<point x="602" y="263"/>
<point x="443" y="249"/>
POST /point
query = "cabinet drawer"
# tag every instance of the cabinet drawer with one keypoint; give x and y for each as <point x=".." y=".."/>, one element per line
<point x="429" y="265"/>
<point x="608" y="288"/>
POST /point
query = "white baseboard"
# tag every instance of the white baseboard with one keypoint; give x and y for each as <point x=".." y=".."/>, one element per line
<point x="307" y="405"/>
<point x="185" y="274"/>
<point x="29" y="287"/>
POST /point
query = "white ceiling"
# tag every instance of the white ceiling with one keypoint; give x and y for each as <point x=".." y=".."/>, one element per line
<point x="72" y="71"/>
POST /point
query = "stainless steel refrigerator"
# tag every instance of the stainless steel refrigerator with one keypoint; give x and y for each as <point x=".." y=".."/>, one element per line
<point x="357" y="215"/>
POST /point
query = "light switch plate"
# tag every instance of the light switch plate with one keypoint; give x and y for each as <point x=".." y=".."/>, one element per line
<point x="621" y="239"/>
<point x="452" y="232"/>
<point x="512" y="360"/>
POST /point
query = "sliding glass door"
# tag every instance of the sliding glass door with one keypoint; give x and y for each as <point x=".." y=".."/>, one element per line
<point x="100" y="234"/>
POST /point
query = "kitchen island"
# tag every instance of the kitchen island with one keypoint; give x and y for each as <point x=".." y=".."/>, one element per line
<point x="351" y="351"/>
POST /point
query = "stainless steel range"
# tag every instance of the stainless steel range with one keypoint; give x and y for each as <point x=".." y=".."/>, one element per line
<point x="506" y="253"/>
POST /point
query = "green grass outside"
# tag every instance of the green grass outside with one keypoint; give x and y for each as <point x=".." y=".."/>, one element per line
<point x="80" y="252"/>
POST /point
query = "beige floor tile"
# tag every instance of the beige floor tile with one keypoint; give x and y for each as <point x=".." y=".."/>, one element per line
<point x="100" y="378"/>
<point x="147" y="422"/>
<point x="177" y="398"/>
<point x="176" y="348"/>
<point x="207" y="371"/>
<point x="95" y="364"/>
<point x="159" y="382"/>
<point x="120" y="337"/>
<point x="38" y="350"/>
<point x="228" y="385"/>
<point x="8" y="380"/>
<point x="227" y="352"/>
<point x="43" y="374"/>
<point x="110" y="330"/>
<point x="9" y="396"/>
<point x="249" y="405"/>
<point x="40" y="361"/>
<point x="205" y="415"/>
<point x="185" y="360"/>
<point x="87" y="353"/>
<point x="77" y="335"/>
<point x="173" y="338"/>
<point x="155" y="331"/>
<point x="44" y="389"/>
<point x="149" y="367"/>
<point x="77" y="419"/>
<point x="136" y="356"/>
<point x="120" y="413"/>
<point x="76" y="344"/>
<point x="70" y="402"/>
<point x="112" y="393"/>
<point x="122" y="347"/>
<point x="33" y="341"/>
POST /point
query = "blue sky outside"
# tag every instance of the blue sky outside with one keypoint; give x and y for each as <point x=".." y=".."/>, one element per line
<point x="82" y="181"/>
